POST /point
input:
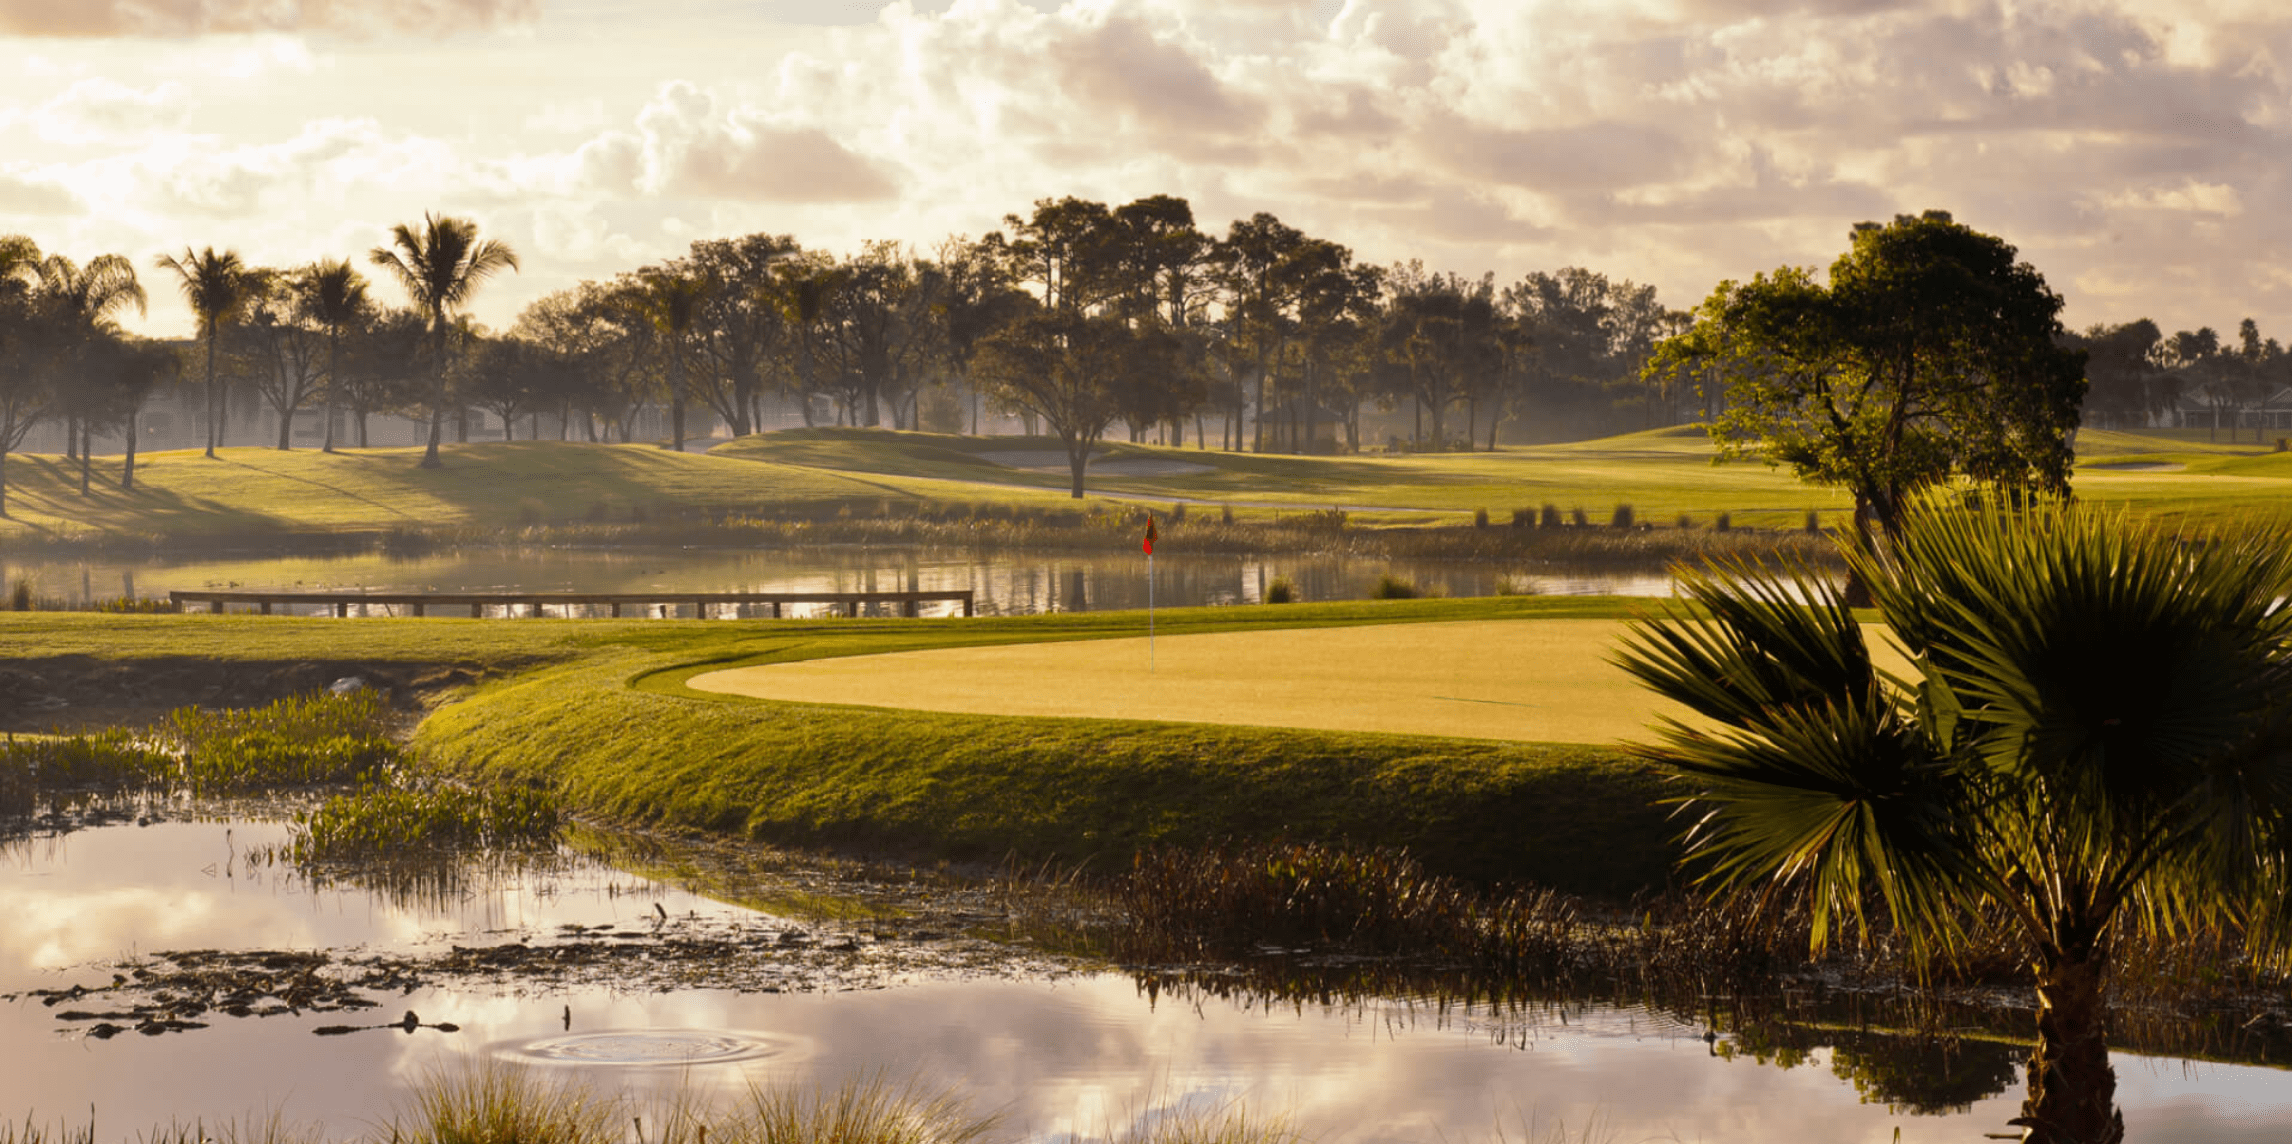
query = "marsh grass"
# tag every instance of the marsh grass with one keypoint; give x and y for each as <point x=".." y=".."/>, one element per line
<point x="389" y="817"/>
<point x="1281" y="590"/>
<point x="298" y="741"/>
<point x="496" y="1103"/>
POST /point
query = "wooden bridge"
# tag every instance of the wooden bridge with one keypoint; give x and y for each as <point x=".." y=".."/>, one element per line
<point x="420" y="603"/>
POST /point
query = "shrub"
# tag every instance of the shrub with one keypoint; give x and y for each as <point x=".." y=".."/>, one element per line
<point x="1225" y="514"/>
<point x="1548" y="517"/>
<point x="1724" y="522"/>
<point x="1578" y="517"/>
<point x="1623" y="517"/>
<point x="1281" y="591"/>
<point x="1480" y="518"/>
<point x="1686" y="521"/>
<point x="1814" y="521"/>
<point x="1177" y="512"/>
<point x="20" y="595"/>
<point x="1391" y="587"/>
<point x="1523" y="517"/>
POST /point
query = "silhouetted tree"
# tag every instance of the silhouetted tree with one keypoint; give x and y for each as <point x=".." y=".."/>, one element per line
<point x="219" y="288"/>
<point x="440" y="266"/>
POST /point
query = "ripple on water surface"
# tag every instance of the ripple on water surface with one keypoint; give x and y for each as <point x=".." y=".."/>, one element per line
<point x="638" y="1048"/>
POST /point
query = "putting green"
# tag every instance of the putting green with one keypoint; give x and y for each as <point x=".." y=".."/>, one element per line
<point x="1534" y="680"/>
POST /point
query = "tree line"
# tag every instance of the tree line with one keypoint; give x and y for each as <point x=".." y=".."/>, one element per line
<point x="1078" y="318"/>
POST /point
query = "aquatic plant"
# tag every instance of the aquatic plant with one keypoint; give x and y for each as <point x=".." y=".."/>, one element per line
<point x="1280" y="590"/>
<point x="388" y="817"/>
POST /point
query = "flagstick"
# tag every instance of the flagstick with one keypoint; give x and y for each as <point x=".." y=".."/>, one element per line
<point x="1149" y="613"/>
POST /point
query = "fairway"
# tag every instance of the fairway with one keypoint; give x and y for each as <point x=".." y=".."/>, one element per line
<point x="1528" y="680"/>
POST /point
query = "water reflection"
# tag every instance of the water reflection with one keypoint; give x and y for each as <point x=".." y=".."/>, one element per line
<point x="1065" y="1056"/>
<point x="1006" y="583"/>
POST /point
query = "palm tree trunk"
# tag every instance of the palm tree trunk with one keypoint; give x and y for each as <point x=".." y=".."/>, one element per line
<point x="333" y="371"/>
<point x="214" y="412"/>
<point x="437" y="395"/>
<point x="2072" y="1089"/>
<point x="127" y="470"/>
<point x="87" y="441"/>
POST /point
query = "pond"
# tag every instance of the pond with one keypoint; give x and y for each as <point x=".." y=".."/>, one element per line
<point x="1065" y="1053"/>
<point x="1012" y="583"/>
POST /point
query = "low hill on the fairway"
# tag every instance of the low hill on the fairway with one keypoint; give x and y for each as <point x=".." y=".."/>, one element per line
<point x="252" y="492"/>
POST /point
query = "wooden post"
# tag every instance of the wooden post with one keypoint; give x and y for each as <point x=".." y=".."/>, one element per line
<point x="966" y="603"/>
<point x="911" y="607"/>
<point x="419" y="610"/>
<point x="616" y="609"/>
<point x="342" y="609"/>
<point x="477" y="611"/>
<point x="266" y="607"/>
<point x="775" y="609"/>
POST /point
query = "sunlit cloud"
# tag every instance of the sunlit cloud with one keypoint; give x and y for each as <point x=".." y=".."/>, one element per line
<point x="1675" y="142"/>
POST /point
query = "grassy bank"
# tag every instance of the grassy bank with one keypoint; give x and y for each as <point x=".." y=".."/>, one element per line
<point x="1085" y="791"/>
<point x="596" y="710"/>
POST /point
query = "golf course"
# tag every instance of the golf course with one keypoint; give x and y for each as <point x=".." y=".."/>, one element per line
<point x="1664" y="477"/>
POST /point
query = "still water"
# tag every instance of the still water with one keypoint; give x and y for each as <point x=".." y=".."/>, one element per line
<point x="1006" y="584"/>
<point x="1065" y="1055"/>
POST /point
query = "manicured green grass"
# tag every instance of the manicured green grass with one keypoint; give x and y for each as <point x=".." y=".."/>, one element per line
<point x="1660" y="473"/>
<point x="1548" y="680"/>
<point x="596" y="710"/>
<point x="252" y="492"/>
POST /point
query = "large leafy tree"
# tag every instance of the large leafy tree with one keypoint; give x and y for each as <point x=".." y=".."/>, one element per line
<point x="2097" y="738"/>
<point x="1930" y="354"/>
<point x="219" y="287"/>
<point x="440" y="265"/>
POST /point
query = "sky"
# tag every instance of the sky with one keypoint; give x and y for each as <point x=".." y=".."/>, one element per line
<point x="2134" y="151"/>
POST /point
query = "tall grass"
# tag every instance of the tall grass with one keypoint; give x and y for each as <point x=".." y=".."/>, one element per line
<point x="387" y="818"/>
<point x="300" y="741"/>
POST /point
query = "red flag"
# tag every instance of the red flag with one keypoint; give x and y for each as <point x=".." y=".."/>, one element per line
<point x="1149" y="536"/>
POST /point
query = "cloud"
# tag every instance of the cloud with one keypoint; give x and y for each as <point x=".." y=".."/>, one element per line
<point x="197" y="17"/>
<point x="98" y="110"/>
<point x="684" y="145"/>
<point x="23" y="196"/>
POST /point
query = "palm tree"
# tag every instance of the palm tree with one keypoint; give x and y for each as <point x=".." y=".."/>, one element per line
<point x="77" y="305"/>
<point x="219" y="287"/>
<point x="332" y="293"/>
<point x="2098" y="739"/>
<point x="23" y="394"/>
<point x="440" y="266"/>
